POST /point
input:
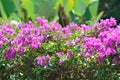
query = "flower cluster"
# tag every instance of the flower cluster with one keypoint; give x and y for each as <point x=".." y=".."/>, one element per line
<point x="106" y="42"/>
<point x="43" y="60"/>
<point x="64" y="56"/>
<point x="27" y="35"/>
<point x="101" y="39"/>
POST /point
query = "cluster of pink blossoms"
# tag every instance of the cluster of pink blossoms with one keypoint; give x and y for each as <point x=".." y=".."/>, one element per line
<point x="43" y="60"/>
<point x="106" y="42"/>
<point x="103" y="41"/>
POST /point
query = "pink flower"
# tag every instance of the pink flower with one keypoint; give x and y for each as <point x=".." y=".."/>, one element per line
<point x="76" y="41"/>
<point x="61" y="61"/>
<point x="43" y="60"/>
<point x="69" y="55"/>
<point x="69" y="42"/>
<point x="59" y="54"/>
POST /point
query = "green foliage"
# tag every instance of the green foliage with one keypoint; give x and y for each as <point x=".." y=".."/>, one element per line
<point x="75" y="10"/>
<point x="10" y="9"/>
<point x="8" y="6"/>
<point x="29" y="7"/>
<point x="67" y="4"/>
<point x="94" y="20"/>
<point x="3" y="14"/>
<point x="25" y="66"/>
<point x="110" y="8"/>
<point x="81" y="7"/>
<point x="45" y="8"/>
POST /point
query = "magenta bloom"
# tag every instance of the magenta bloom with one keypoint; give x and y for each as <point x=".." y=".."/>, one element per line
<point x="7" y="29"/>
<point x="73" y="26"/>
<point x="66" y="32"/>
<point x="61" y="61"/>
<point x="69" y="55"/>
<point x="35" y="45"/>
<point x="10" y="54"/>
<point x="19" y="26"/>
<point x="1" y="43"/>
<point x="77" y="40"/>
<point x="43" y="60"/>
<point x="41" y="21"/>
<point x="100" y="59"/>
<point x="115" y="60"/>
<point x="69" y="42"/>
<point x="56" y="26"/>
<point x="85" y="27"/>
<point x="59" y="54"/>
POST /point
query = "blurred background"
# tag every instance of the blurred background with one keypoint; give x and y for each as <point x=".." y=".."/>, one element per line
<point x="63" y="11"/>
<point x="110" y="8"/>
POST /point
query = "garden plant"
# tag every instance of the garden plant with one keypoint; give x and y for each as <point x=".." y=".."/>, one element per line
<point x="43" y="50"/>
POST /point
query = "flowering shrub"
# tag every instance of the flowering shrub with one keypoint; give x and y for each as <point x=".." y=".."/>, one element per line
<point x="46" y="51"/>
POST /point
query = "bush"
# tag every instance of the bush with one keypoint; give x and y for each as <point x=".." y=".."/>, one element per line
<point x="44" y="50"/>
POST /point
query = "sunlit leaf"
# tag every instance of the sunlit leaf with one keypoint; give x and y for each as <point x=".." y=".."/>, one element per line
<point x="67" y="4"/>
<point x="81" y="7"/>
<point x="28" y="5"/>
<point x="2" y="12"/>
<point x="96" y="19"/>
<point x="45" y="8"/>
<point x="93" y="7"/>
<point x="18" y="7"/>
<point x="7" y="7"/>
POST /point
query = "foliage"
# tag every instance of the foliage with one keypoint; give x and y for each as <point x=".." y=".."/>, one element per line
<point x="43" y="50"/>
<point x="74" y="10"/>
<point x="110" y="8"/>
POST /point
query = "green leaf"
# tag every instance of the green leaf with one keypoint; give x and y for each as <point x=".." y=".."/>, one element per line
<point x="2" y="11"/>
<point x="93" y="7"/>
<point x="10" y="9"/>
<point x="87" y="15"/>
<point x="7" y="7"/>
<point x="81" y="6"/>
<point x="18" y="7"/>
<point x="67" y="4"/>
<point x="96" y="19"/>
<point x="28" y="5"/>
<point x="45" y="8"/>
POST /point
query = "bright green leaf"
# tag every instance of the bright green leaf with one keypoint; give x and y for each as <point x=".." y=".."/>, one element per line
<point x="93" y="7"/>
<point x="96" y="19"/>
<point x="2" y="11"/>
<point x="18" y="7"/>
<point x="45" y="8"/>
<point x="80" y="7"/>
<point x="68" y="5"/>
<point x="28" y="5"/>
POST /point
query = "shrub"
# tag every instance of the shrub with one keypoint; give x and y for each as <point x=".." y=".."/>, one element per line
<point x="44" y="50"/>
